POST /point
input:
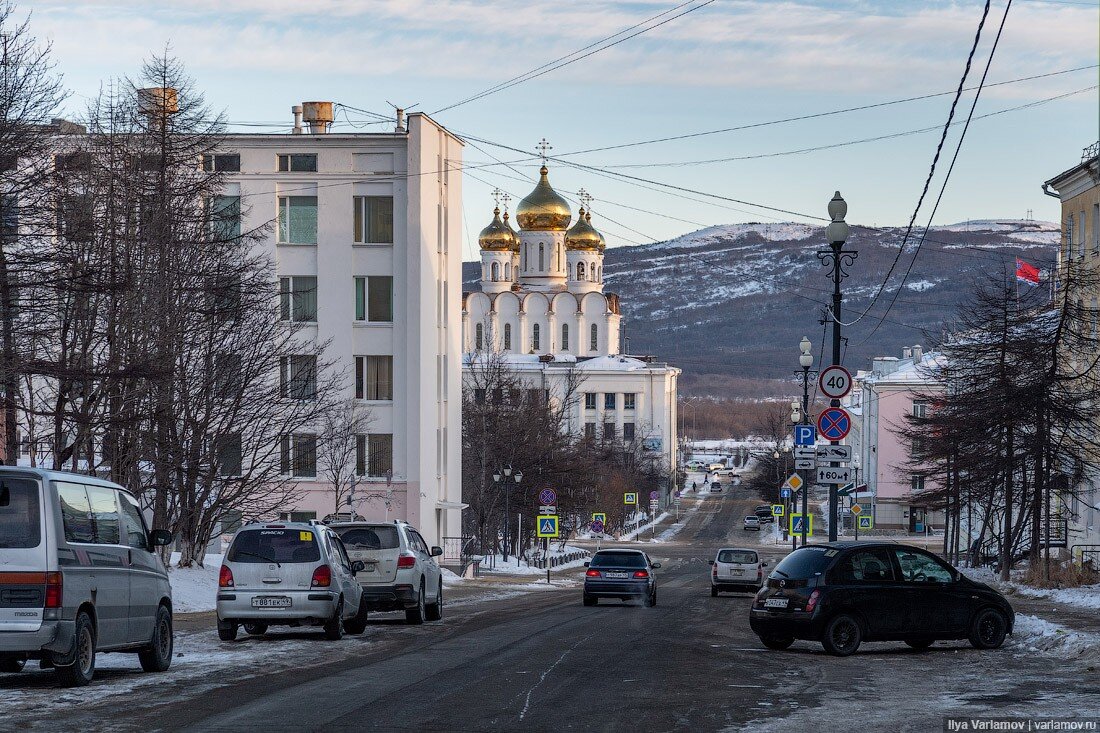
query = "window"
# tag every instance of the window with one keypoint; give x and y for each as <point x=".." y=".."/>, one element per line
<point x="535" y="337"/>
<point x="374" y="455"/>
<point x="76" y="514"/>
<point x="225" y="218"/>
<point x="227" y="454"/>
<point x="508" y="271"/>
<point x="507" y="336"/>
<point x="298" y="378"/>
<point x="20" y="516"/>
<point x="374" y="377"/>
<point x="297" y="220"/>
<point x="609" y="431"/>
<point x="104" y="512"/>
<point x="479" y="395"/>
<point x="917" y="567"/>
<point x="9" y="216"/>
<point x="133" y="528"/>
<point x="479" y="337"/>
<point x="298" y="163"/>
<point x="1081" y="247"/>
<point x="374" y="299"/>
<point x="595" y="338"/>
<point x="628" y="401"/>
<point x="225" y="298"/>
<point x="865" y="565"/>
<point x="377" y="537"/>
<point x="590" y="400"/>
<point x="542" y="258"/>
<point x="495" y="270"/>
<point x="373" y="219"/>
<point x="227" y="375"/>
<point x="590" y="431"/>
<point x="920" y="408"/>
<point x="298" y="298"/>
<point x="78" y="161"/>
<point x="916" y="483"/>
<point x="609" y="401"/>
<point x="274" y="545"/>
<point x="580" y="270"/>
<point x="1096" y="229"/>
<point x="76" y="218"/>
<point x="298" y="455"/>
<point x="628" y="431"/>
<point x="222" y="162"/>
<point x="565" y="337"/>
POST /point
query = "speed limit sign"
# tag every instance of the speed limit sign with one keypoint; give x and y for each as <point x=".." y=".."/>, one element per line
<point x="835" y="381"/>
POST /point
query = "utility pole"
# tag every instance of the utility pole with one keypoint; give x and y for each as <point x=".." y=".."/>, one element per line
<point x="805" y="360"/>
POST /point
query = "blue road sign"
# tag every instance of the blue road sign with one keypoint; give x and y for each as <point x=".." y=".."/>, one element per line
<point x="834" y="423"/>
<point x="548" y="526"/>
<point x="785" y="493"/>
<point x="804" y="435"/>
<point x="597" y="526"/>
<point x="796" y="525"/>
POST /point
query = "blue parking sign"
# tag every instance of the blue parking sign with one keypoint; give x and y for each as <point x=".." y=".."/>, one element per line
<point x="805" y="435"/>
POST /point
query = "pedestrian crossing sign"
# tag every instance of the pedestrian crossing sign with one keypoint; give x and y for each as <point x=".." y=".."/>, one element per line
<point x="548" y="526"/>
<point x="796" y="524"/>
<point x="866" y="522"/>
<point x="630" y="497"/>
<point x="599" y="517"/>
<point x="777" y="510"/>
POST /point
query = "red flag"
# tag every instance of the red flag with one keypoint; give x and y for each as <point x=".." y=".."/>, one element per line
<point x="1026" y="273"/>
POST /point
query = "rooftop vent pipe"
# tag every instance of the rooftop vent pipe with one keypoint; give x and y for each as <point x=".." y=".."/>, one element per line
<point x="319" y="115"/>
<point x="157" y="103"/>
<point x="400" y="120"/>
<point x="297" y="112"/>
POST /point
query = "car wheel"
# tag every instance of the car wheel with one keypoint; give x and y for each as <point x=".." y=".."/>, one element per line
<point x="651" y="599"/>
<point x="358" y="623"/>
<point x="435" y="611"/>
<point x="418" y="613"/>
<point x="81" y="671"/>
<point x="919" y="644"/>
<point x="714" y="591"/>
<point x="842" y="635"/>
<point x="255" y="629"/>
<point x="227" y="630"/>
<point x="12" y="664"/>
<point x="774" y="643"/>
<point x="590" y="600"/>
<point x="334" y="627"/>
<point x="157" y="657"/>
<point x="988" y="629"/>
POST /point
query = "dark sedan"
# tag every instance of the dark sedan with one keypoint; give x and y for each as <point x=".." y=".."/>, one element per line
<point x="845" y="593"/>
<point x="623" y="574"/>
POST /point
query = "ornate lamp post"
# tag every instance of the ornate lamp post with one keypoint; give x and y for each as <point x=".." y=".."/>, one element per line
<point x="504" y="474"/>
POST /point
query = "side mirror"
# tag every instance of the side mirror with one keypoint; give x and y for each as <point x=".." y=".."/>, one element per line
<point x="655" y="565"/>
<point x="586" y="564"/>
<point x="763" y="564"/>
<point x="436" y="551"/>
<point x="160" y="537"/>
<point x="710" y="562"/>
<point x="358" y="566"/>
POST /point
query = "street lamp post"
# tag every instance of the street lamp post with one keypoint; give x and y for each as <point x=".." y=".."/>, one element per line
<point x="805" y="360"/>
<point x="855" y="494"/>
<point x="506" y="473"/>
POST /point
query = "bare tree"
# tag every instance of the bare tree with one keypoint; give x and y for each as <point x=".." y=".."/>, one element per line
<point x="341" y="450"/>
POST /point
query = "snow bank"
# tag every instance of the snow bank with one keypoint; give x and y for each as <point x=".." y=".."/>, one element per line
<point x="1086" y="596"/>
<point x="194" y="589"/>
<point x="517" y="566"/>
<point x="1036" y="634"/>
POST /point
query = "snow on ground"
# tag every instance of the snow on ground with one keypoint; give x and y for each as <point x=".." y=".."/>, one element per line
<point x="1036" y="634"/>
<point x="195" y="588"/>
<point x="920" y="286"/>
<point x="643" y="528"/>
<point x="1086" y="596"/>
<point x="519" y="566"/>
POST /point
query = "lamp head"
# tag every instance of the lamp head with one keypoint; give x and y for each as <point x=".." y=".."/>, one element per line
<point x="519" y="476"/>
<point x="775" y="455"/>
<point x="805" y="346"/>
<point x="838" y="207"/>
<point x="496" y="477"/>
<point x="507" y="470"/>
<point x="805" y="360"/>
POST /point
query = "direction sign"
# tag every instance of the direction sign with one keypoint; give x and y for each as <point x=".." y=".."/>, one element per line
<point x="596" y="526"/>
<point x="548" y="509"/>
<point x="804" y="435"/>
<point x="548" y="526"/>
<point x="654" y="504"/>
<point x="839" y="475"/>
<point x="630" y="497"/>
<point x="856" y="509"/>
<point x="866" y="522"/>
<point x="600" y="517"/>
<point x="805" y="464"/>
<point x="835" y="381"/>
<point x="794" y="481"/>
<point x="834" y="452"/>
<point x="834" y="423"/>
<point x="805" y="451"/>
<point x="655" y="495"/>
<point x="784" y="493"/>
<point x="548" y="496"/>
<point x="777" y="510"/>
<point x="796" y="525"/>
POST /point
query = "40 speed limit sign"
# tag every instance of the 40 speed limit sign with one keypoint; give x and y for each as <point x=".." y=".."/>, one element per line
<point x="835" y="381"/>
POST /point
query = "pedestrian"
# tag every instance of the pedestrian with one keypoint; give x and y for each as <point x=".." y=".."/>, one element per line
<point x="694" y="486"/>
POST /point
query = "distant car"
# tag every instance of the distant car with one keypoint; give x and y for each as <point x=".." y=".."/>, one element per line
<point x="400" y="573"/>
<point x="844" y="593"/>
<point x="762" y="509"/>
<point x="695" y="465"/>
<point x="623" y="574"/>
<point x="736" y="569"/>
<point x="716" y="486"/>
<point x="716" y="466"/>
<point x="752" y="522"/>
<point x="724" y="472"/>
<point x="290" y="574"/>
<point x="765" y="518"/>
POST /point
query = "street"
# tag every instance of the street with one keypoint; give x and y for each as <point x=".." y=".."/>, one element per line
<point x="538" y="660"/>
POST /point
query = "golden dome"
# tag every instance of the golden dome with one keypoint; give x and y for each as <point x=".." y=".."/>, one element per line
<point x="603" y="242"/>
<point x="582" y="236"/>
<point x="515" y="235"/>
<point x="543" y="210"/>
<point x="498" y="236"/>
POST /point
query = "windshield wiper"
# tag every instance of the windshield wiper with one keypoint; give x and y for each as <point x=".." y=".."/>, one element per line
<point x="262" y="557"/>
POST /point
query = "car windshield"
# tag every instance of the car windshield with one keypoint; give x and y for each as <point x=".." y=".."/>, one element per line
<point x="805" y="562"/>
<point x="617" y="560"/>
<point x="20" y="524"/>
<point x="380" y="537"/>
<point x="737" y="556"/>
<point x="751" y="518"/>
<point x="275" y="545"/>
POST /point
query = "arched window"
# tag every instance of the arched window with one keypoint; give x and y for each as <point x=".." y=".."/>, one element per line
<point x="507" y="336"/>
<point x="525" y="259"/>
<point x="496" y="271"/>
<point x="599" y="275"/>
<point x="479" y="337"/>
<point x="535" y="337"/>
<point x="595" y="342"/>
<point x="580" y="270"/>
<point x="542" y="258"/>
<point x="565" y="337"/>
<point x="484" y="271"/>
<point x="558" y="250"/>
<point x="508" y="271"/>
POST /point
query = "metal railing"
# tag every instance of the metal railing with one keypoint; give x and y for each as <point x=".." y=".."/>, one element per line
<point x="1090" y="152"/>
<point x="458" y="551"/>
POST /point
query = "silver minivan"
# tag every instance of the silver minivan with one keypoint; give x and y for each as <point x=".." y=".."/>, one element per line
<point x="78" y="575"/>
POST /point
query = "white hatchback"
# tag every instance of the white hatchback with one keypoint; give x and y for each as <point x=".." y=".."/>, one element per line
<point x="736" y="569"/>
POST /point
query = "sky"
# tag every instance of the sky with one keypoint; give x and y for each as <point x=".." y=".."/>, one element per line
<point x="720" y="64"/>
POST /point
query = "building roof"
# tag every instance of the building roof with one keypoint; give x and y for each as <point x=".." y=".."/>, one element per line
<point x="907" y="371"/>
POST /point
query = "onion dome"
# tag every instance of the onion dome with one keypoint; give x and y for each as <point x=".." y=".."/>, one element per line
<point x="498" y="236"/>
<point x="588" y="219"/>
<point x="543" y="210"/>
<point x="582" y="236"/>
<point x="515" y="235"/>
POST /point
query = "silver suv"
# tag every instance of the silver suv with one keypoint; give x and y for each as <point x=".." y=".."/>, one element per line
<point x="291" y="574"/>
<point x="400" y="572"/>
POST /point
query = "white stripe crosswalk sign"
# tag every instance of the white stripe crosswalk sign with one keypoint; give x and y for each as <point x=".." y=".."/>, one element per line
<point x="548" y="526"/>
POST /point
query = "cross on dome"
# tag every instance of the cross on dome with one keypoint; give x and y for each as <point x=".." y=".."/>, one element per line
<point x="585" y="198"/>
<point x="544" y="147"/>
<point x="496" y="196"/>
<point x="506" y="199"/>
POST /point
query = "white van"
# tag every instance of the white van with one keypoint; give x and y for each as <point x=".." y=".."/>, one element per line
<point x="80" y="575"/>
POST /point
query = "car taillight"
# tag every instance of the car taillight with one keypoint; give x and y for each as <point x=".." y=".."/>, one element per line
<point x="760" y="573"/>
<point x="406" y="561"/>
<point x="54" y="587"/>
<point x="641" y="573"/>
<point x="813" y="600"/>
<point x="714" y="571"/>
<point x="592" y="573"/>
<point x="225" y="578"/>
<point x="322" y="577"/>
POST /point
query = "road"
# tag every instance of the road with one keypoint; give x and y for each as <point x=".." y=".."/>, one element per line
<point x="539" y="661"/>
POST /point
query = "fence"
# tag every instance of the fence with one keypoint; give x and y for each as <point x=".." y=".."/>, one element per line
<point x="557" y="560"/>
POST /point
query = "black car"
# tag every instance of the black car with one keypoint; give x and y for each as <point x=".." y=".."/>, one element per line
<point x="845" y="593"/>
<point x="624" y="574"/>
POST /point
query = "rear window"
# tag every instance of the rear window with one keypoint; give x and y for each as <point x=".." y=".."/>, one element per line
<point x="382" y="537"/>
<point x="737" y="556"/>
<point x="20" y="523"/>
<point x="805" y="562"/>
<point x="275" y="545"/>
<point x="617" y="560"/>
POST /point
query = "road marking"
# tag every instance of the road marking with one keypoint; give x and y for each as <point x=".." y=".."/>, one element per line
<point x="548" y="670"/>
<point x="744" y="685"/>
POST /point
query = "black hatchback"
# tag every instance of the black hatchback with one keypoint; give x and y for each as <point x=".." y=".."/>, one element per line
<point x="623" y="574"/>
<point x="844" y="593"/>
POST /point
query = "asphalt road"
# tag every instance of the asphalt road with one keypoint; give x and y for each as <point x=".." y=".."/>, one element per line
<point x="541" y="662"/>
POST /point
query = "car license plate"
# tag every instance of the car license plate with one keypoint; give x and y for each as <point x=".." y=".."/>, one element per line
<point x="271" y="602"/>
<point x="617" y="575"/>
<point x="776" y="603"/>
<point x="736" y="573"/>
<point x="371" y="567"/>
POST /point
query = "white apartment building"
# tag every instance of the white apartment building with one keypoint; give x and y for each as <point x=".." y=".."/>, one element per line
<point x="367" y="245"/>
